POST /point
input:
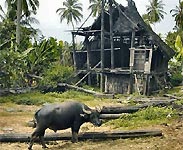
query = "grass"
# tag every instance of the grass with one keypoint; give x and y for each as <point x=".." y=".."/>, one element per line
<point x="37" y="98"/>
<point x="34" y="98"/>
<point x="145" y="117"/>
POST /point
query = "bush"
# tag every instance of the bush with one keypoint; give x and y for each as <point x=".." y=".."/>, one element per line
<point x="176" y="79"/>
<point x="55" y="74"/>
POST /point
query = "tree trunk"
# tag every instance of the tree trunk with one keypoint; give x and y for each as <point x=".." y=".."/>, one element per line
<point x="83" y="136"/>
<point x="19" y="12"/>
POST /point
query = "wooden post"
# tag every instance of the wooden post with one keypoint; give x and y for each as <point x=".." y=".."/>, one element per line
<point x="111" y="34"/>
<point x="133" y="38"/>
<point x="102" y="48"/>
<point x="88" y="60"/>
<point x="74" y="50"/>
<point x="130" y="90"/>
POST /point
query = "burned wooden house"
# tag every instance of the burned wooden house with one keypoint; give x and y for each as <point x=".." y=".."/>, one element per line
<point x="133" y="59"/>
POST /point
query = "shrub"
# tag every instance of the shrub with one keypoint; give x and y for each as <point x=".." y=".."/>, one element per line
<point x="55" y="74"/>
<point x="176" y="79"/>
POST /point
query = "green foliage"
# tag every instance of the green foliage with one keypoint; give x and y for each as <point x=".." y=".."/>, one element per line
<point x="71" y="11"/>
<point x="145" y="117"/>
<point x="71" y="94"/>
<point x="155" y="11"/>
<point x="176" y="79"/>
<point x="43" y="54"/>
<point x="16" y="63"/>
<point x="175" y="71"/>
<point x="56" y="74"/>
<point x="13" y="65"/>
<point x="170" y="39"/>
<point x="179" y="47"/>
<point x="178" y="15"/>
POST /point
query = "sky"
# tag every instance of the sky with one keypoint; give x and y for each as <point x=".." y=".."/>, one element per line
<point x="51" y="26"/>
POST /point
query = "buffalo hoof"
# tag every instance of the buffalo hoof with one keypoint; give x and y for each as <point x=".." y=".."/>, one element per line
<point x="29" y="148"/>
<point x="45" y="147"/>
<point x="74" y="141"/>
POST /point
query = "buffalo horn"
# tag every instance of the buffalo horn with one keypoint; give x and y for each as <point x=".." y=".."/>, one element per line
<point x="98" y="109"/>
<point x="86" y="111"/>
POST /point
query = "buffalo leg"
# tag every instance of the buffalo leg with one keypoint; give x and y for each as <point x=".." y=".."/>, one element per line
<point x="35" y="134"/>
<point x="74" y="137"/>
<point x="75" y="131"/>
<point x="33" y="138"/>
<point x="41" y="137"/>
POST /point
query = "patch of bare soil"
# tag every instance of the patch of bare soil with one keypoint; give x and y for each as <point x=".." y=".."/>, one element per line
<point x="13" y="120"/>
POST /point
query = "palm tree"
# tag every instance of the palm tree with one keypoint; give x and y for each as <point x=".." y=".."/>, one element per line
<point x="178" y="14"/>
<point x="22" y="6"/>
<point x="71" y="12"/>
<point x="95" y="7"/>
<point x="2" y="13"/>
<point x="155" y="11"/>
<point x="146" y="19"/>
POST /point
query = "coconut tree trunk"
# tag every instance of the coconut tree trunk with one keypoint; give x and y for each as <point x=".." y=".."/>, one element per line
<point x="19" y="11"/>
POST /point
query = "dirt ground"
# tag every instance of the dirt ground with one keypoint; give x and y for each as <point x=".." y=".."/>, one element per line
<point x="14" y="118"/>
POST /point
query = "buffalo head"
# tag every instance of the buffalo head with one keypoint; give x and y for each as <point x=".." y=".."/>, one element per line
<point x="92" y="116"/>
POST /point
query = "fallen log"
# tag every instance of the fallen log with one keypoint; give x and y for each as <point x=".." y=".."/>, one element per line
<point x="123" y="109"/>
<point x="84" y="136"/>
<point x="111" y="116"/>
<point x="97" y="94"/>
<point x="132" y="109"/>
<point x="155" y="100"/>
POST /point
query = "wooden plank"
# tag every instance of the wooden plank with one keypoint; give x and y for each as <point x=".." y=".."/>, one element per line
<point x="83" y="136"/>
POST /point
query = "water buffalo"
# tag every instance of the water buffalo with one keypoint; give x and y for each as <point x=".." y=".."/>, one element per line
<point x="69" y="114"/>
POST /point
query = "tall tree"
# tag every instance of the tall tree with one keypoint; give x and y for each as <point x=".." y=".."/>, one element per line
<point x="95" y="7"/>
<point x="71" y="12"/>
<point x="178" y="15"/>
<point x="2" y="13"/>
<point x="155" y="11"/>
<point x="25" y="7"/>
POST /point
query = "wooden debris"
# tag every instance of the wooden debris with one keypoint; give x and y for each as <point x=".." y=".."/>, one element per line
<point x="172" y="96"/>
<point x="84" y="136"/>
<point x="97" y="94"/>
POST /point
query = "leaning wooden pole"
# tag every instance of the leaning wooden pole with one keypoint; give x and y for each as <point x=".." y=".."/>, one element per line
<point x="102" y="48"/>
<point x="84" y="136"/>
